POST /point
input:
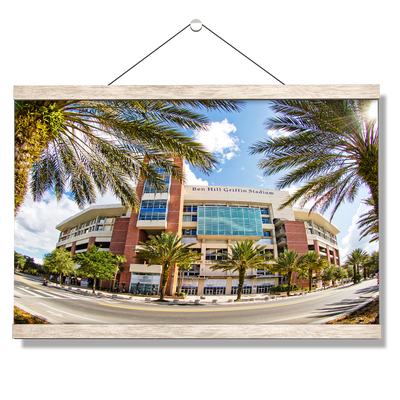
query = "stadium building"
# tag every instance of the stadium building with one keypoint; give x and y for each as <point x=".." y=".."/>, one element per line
<point x="209" y="217"/>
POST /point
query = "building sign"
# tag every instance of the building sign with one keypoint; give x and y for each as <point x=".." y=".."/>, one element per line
<point x="227" y="189"/>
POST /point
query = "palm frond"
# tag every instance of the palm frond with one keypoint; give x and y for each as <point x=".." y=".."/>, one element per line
<point x="330" y="148"/>
<point x="84" y="146"/>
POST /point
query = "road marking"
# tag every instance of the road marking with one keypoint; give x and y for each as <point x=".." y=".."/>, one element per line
<point x="26" y="283"/>
<point x="78" y="296"/>
<point x="30" y="292"/>
<point x="45" y="294"/>
<point x="78" y="316"/>
<point x="218" y="310"/>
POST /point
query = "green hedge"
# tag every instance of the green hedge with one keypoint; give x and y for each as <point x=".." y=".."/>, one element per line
<point x="283" y="288"/>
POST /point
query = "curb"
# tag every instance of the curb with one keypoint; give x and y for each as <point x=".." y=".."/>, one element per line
<point x="252" y="300"/>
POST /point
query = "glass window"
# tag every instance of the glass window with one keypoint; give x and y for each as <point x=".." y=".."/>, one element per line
<point x="189" y="232"/>
<point x="216" y="254"/>
<point x="220" y="220"/>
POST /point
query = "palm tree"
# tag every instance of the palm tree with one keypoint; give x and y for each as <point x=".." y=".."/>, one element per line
<point x="356" y="259"/>
<point x="81" y="146"/>
<point x="313" y="262"/>
<point x="182" y="267"/>
<point x="369" y="222"/>
<point x="119" y="259"/>
<point x="166" y="250"/>
<point x="243" y="256"/>
<point x="287" y="263"/>
<point x="330" y="147"/>
<point x="302" y="273"/>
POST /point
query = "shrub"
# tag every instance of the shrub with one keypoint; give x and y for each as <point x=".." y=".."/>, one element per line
<point x="283" y="288"/>
<point x="22" y="317"/>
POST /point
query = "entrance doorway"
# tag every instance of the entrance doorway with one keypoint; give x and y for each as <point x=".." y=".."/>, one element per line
<point x="214" y="291"/>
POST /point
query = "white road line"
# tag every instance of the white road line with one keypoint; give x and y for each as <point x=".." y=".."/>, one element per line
<point x="45" y="294"/>
<point x="64" y="312"/>
<point x="70" y="296"/>
<point x="30" y="292"/>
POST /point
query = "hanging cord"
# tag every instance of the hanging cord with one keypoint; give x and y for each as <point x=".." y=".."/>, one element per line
<point x="196" y="26"/>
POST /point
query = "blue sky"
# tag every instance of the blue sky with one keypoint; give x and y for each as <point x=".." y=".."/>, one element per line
<point x="229" y="138"/>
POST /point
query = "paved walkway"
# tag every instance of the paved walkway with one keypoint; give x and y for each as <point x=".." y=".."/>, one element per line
<point x="187" y="300"/>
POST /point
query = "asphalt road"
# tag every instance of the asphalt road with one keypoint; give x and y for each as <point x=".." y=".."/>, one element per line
<point x="62" y="307"/>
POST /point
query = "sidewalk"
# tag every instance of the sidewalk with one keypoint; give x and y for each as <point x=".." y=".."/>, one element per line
<point x="209" y="299"/>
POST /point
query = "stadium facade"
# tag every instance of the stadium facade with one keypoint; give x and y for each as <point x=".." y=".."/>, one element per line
<point x="209" y="217"/>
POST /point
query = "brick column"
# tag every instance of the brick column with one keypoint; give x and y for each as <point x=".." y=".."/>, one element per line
<point x="174" y="222"/>
<point x="133" y="236"/>
<point x="73" y="247"/>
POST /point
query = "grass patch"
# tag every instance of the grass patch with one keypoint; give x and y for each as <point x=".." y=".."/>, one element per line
<point x="369" y="314"/>
<point x="22" y="317"/>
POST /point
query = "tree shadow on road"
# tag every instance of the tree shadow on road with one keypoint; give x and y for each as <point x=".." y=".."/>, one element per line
<point x="369" y="290"/>
<point x="336" y="309"/>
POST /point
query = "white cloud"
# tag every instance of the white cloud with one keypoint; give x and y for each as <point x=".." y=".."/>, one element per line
<point x="219" y="139"/>
<point x="352" y="240"/>
<point x="191" y="178"/>
<point x="261" y="179"/>
<point x="274" y="133"/>
<point x="219" y="170"/>
<point x="35" y="225"/>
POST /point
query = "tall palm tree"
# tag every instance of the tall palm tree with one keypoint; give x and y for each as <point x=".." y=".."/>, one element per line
<point x="244" y="255"/>
<point x="81" y="146"/>
<point x="287" y="263"/>
<point x="313" y="262"/>
<point x="356" y="259"/>
<point x="330" y="148"/>
<point x="166" y="250"/>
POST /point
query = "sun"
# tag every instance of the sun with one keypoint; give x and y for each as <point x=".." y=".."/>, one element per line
<point x="373" y="110"/>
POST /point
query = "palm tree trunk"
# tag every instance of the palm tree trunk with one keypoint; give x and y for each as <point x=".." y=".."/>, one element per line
<point x="242" y="275"/>
<point x="180" y="280"/>
<point x="355" y="274"/>
<point x="370" y="176"/>
<point x="289" y="280"/>
<point x="164" y="280"/>
<point x="309" y="279"/>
